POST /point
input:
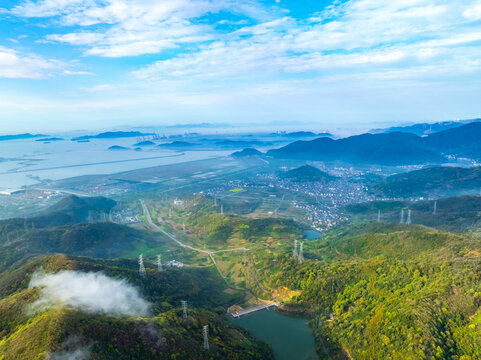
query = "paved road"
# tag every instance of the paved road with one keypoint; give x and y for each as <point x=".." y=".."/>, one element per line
<point x="173" y="238"/>
<point x="159" y="229"/>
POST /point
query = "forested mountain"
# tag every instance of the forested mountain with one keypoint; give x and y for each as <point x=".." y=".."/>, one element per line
<point x="393" y="148"/>
<point x="386" y="291"/>
<point x="385" y="149"/>
<point x="434" y="181"/>
<point x="60" y="327"/>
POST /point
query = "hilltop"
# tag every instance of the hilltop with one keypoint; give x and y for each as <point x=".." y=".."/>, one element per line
<point x="246" y="153"/>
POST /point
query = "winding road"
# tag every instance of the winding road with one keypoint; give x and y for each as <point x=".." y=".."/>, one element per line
<point x="180" y="243"/>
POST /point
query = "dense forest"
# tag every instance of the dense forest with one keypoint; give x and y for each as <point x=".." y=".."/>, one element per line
<point x="384" y="291"/>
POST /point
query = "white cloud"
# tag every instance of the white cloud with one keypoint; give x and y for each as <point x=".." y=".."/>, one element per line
<point x="16" y="65"/>
<point x="92" y="292"/>
<point x="359" y="35"/>
<point x="129" y="27"/>
<point x="473" y="13"/>
<point x="69" y="72"/>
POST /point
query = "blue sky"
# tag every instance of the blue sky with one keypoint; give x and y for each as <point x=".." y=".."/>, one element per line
<point x="88" y="64"/>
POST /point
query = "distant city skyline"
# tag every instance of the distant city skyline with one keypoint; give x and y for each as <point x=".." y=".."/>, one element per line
<point x="92" y="65"/>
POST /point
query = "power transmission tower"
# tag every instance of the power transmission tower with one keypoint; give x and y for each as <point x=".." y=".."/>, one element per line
<point x="408" y="221"/>
<point x="159" y="263"/>
<point x="170" y="212"/>
<point x="222" y="209"/>
<point x="275" y="213"/>
<point x="294" y="252"/>
<point x="379" y="216"/>
<point x="215" y="200"/>
<point x="402" y="217"/>
<point x="183" y="226"/>
<point x="184" y="309"/>
<point x="141" y="265"/>
<point x="435" y="207"/>
<point x="301" y="253"/>
<point x="205" y="331"/>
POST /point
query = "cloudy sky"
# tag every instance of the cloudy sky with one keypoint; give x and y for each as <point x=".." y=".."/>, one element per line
<point x="80" y="64"/>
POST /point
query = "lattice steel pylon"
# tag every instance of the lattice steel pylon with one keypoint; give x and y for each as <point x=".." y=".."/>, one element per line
<point x="379" y="216"/>
<point x="184" y="309"/>
<point x="205" y="331"/>
<point x="402" y="217"/>
<point x="294" y="252"/>
<point x="159" y="263"/>
<point x="141" y="265"/>
<point x="435" y="209"/>
<point x="301" y="253"/>
<point x="408" y="221"/>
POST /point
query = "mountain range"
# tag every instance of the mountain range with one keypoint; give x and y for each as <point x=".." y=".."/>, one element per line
<point x="425" y="128"/>
<point x="395" y="148"/>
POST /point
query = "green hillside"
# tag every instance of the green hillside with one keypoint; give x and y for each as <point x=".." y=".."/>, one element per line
<point x="386" y="291"/>
<point x="435" y="181"/>
<point x="165" y="335"/>
<point x="456" y="214"/>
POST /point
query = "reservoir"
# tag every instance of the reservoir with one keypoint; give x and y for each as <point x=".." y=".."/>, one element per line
<point x="289" y="338"/>
<point x="312" y="234"/>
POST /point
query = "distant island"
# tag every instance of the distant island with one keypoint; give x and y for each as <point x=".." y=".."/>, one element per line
<point x="307" y="173"/>
<point x="113" y="135"/>
<point x="20" y="136"/>
<point x="246" y="153"/>
<point x="117" y="148"/>
<point x="145" y="143"/>
<point x="50" y="139"/>
<point x="178" y="144"/>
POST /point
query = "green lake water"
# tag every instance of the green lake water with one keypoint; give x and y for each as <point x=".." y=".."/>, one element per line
<point x="289" y="338"/>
